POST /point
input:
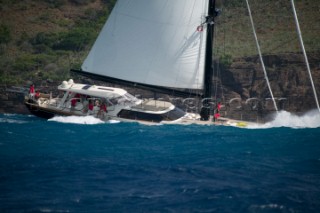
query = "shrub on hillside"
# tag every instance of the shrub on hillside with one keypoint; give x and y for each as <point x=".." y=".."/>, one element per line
<point x="25" y="63"/>
<point x="51" y="67"/>
<point x="81" y="2"/>
<point x="56" y="3"/>
<point x="26" y="47"/>
<point x="75" y="40"/>
<point x="5" y="34"/>
<point x="41" y="48"/>
<point x="226" y="59"/>
<point x="29" y="62"/>
<point x="91" y="14"/>
<point x="47" y="39"/>
<point x="23" y="38"/>
<point x="109" y="3"/>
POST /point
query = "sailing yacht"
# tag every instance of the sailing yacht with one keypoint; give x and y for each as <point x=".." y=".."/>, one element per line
<point x="162" y="46"/>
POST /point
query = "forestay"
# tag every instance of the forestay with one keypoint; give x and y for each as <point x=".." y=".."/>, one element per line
<point x="153" y="42"/>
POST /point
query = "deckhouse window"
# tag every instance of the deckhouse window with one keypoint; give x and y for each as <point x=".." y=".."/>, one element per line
<point x="106" y="89"/>
<point x="86" y="87"/>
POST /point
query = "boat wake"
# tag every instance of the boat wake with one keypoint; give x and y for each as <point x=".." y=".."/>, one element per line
<point x="80" y="120"/>
<point x="310" y="119"/>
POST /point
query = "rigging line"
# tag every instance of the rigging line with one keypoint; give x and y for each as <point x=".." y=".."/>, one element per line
<point x="304" y="53"/>
<point x="219" y="77"/>
<point x="213" y="80"/>
<point x="215" y="73"/>
<point x="259" y="51"/>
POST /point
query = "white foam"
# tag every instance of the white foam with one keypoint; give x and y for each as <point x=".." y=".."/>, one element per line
<point x="77" y="119"/>
<point x="11" y="119"/>
<point x="310" y="119"/>
<point x="9" y="114"/>
<point x="113" y="121"/>
<point x="4" y="120"/>
<point x="81" y="120"/>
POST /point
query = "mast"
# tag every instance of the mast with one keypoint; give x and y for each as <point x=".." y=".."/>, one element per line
<point x="208" y="61"/>
<point x="208" y="73"/>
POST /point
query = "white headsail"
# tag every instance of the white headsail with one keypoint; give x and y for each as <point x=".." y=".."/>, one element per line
<point x="153" y="42"/>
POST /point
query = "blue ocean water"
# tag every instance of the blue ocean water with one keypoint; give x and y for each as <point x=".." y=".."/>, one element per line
<point x="82" y="165"/>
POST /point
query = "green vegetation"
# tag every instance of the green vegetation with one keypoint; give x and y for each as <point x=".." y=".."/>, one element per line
<point x="43" y="39"/>
<point x="74" y="40"/>
<point x="274" y="25"/>
<point x="5" y="34"/>
<point x="226" y="59"/>
<point x="53" y="42"/>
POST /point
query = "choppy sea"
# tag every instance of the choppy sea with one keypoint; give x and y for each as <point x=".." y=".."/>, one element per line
<point x="73" y="164"/>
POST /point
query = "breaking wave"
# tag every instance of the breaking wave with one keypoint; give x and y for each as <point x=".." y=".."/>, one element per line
<point x="310" y="119"/>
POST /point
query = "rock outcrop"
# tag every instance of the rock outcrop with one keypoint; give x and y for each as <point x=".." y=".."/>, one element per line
<point x="289" y="79"/>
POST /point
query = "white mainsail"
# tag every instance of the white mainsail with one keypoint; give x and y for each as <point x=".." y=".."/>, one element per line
<point x="153" y="42"/>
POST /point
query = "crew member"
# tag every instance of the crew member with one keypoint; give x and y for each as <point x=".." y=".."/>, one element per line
<point x="103" y="110"/>
<point x="90" y="108"/>
<point x="216" y="116"/>
<point x="31" y="91"/>
<point x="37" y="95"/>
<point x="103" y="107"/>
<point x="218" y="106"/>
<point x="74" y="101"/>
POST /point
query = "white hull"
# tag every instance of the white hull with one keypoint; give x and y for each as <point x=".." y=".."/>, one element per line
<point x="120" y="106"/>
